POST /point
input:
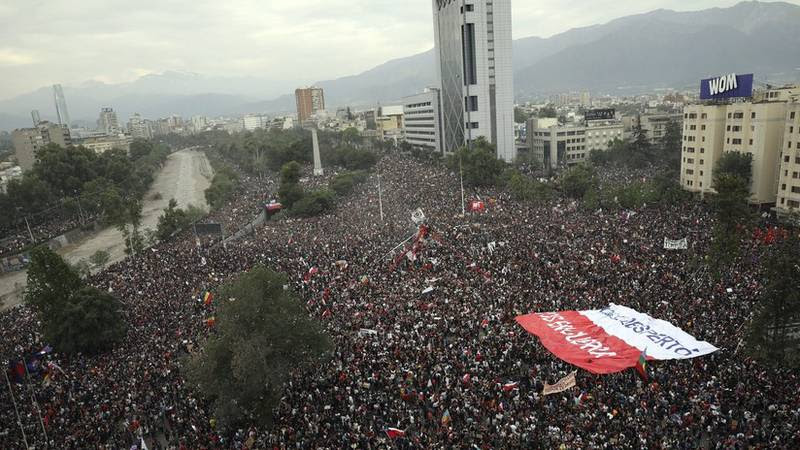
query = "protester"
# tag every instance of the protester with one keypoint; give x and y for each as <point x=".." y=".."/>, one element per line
<point x="431" y="365"/>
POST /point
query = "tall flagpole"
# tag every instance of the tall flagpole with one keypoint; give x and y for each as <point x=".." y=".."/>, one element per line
<point x="35" y="402"/>
<point x="19" y="421"/>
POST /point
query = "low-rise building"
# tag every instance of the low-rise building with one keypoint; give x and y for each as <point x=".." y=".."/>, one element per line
<point x="105" y="143"/>
<point x="7" y="174"/>
<point x="552" y="145"/>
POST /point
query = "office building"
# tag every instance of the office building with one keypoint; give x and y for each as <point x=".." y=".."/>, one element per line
<point x="139" y="128"/>
<point x="309" y="101"/>
<point x="28" y="141"/>
<point x="61" y="106"/>
<point x="473" y="65"/>
<point x="108" y="122"/>
<point x="554" y="146"/>
<point x="422" y="120"/>
<point x="756" y="127"/>
<point x="102" y="144"/>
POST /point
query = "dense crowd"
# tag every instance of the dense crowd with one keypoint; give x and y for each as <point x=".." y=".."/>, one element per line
<point x="15" y="240"/>
<point x="403" y="358"/>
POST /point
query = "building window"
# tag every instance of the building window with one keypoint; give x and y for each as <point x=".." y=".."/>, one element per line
<point x="791" y="116"/>
<point x="470" y="8"/>
<point x="794" y="204"/>
<point x="796" y="189"/>
<point x="689" y="172"/>
<point x="783" y="187"/>
<point x="786" y="159"/>
<point x="751" y="142"/>
<point x="752" y="115"/>
<point x="472" y="125"/>
<point x="704" y="116"/>
<point x="471" y="103"/>
<point x="702" y="150"/>
<point x="701" y="162"/>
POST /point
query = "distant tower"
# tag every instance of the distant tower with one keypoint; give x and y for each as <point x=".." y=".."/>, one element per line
<point x="36" y="117"/>
<point x="318" y="171"/>
<point x="61" y="106"/>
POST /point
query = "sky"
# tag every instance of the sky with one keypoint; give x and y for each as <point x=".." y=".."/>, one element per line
<point x="73" y="41"/>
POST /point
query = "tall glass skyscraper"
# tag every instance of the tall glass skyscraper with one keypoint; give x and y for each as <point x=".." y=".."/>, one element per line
<point x="474" y="68"/>
<point x="61" y="106"/>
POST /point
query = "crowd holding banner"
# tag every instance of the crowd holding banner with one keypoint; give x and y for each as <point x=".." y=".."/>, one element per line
<point x="450" y="368"/>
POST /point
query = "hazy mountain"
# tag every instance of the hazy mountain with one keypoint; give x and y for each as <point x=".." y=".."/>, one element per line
<point x="631" y="54"/>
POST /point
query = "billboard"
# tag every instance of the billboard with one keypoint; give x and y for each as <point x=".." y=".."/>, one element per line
<point x="727" y="86"/>
<point x="208" y="228"/>
<point x="600" y="114"/>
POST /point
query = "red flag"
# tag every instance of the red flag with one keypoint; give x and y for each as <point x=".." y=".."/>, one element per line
<point x="477" y="206"/>
<point x="311" y="272"/>
<point x="208" y="298"/>
<point x="466" y="379"/>
<point x="394" y="433"/>
<point x="211" y="322"/>
<point x="512" y="386"/>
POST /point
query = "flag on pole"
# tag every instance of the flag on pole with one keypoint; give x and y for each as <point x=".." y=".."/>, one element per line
<point x="208" y="298"/>
<point x="394" y="433"/>
<point x="641" y="365"/>
<point x="446" y="418"/>
<point x="511" y="386"/>
<point x="143" y="445"/>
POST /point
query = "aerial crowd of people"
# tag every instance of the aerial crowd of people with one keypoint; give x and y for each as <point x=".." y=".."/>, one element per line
<point x="425" y="342"/>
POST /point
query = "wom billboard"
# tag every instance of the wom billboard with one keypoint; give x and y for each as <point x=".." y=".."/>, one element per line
<point x="727" y="86"/>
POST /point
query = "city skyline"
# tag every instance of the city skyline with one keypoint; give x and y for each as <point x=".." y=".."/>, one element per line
<point x="131" y="42"/>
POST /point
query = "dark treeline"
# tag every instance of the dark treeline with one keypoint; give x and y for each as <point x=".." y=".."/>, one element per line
<point x="66" y="181"/>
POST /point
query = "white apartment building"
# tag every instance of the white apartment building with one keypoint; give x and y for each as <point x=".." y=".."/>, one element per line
<point x="553" y="145"/>
<point x="254" y="122"/>
<point x="757" y="127"/>
<point x="139" y="128"/>
<point x="473" y="65"/>
<point x="422" y="120"/>
<point x="108" y="122"/>
<point x="789" y="171"/>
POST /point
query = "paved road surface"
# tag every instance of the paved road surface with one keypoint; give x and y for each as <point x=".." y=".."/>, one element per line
<point x="185" y="177"/>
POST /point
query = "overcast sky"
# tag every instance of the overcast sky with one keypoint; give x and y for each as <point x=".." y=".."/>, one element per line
<point x="71" y="41"/>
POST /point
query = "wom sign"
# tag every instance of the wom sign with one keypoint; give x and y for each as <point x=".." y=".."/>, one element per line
<point x="727" y="86"/>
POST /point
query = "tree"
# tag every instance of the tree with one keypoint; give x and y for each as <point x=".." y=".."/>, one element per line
<point x="577" y="181"/>
<point x="140" y="148"/>
<point x="100" y="258"/>
<point x="733" y="214"/>
<point x="90" y="321"/>
<point x="737" y="164"/>
<point x="524" y="188"/>
<point x="479" y="165"/>
<point x="520" y="116"/>
<point x="314" y="204"/>
<point x="290" y="191"/>
<point x="778" y="311"/>
<point x="50" y="281"/>
<point x="263" y="335"/>
<point x="173" y="220"/>
<point x="223" y="185"/>
<point x="671" y="145"/>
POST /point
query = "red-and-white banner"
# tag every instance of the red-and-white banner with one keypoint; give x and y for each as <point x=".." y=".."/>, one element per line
<point x="611" y="340"/>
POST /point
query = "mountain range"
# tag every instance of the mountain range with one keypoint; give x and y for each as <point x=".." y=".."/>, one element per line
<point x="634" y="54"/>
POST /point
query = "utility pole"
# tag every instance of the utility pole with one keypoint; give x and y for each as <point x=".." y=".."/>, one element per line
<point x="380" y="197"/>
<point x="19" y="421"/>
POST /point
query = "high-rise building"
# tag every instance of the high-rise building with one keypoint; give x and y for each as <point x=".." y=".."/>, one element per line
<point x="309" y="101"/>
<point x="755" y="127"/>
<point x="36" y="117"/>
<point x="139" y="128"/>
<point x="789" y="182"/>
<point x="108" y="122"/>
<point x="473" y="64"/>
<point x="61" y="106"/>
<point x="28" y="141"/>
<point x="422" y="120"/>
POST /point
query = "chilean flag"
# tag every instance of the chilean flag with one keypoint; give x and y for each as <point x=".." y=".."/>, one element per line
<point x="612" y="339"/>
<point x="395" y="433"/>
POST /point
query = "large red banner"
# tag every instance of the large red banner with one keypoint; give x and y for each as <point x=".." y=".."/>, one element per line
<point x="611" y="340"/>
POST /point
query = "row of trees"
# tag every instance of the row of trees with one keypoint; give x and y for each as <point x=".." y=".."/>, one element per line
<point x="75" y="179"/>
<point x="639" y="151"/>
